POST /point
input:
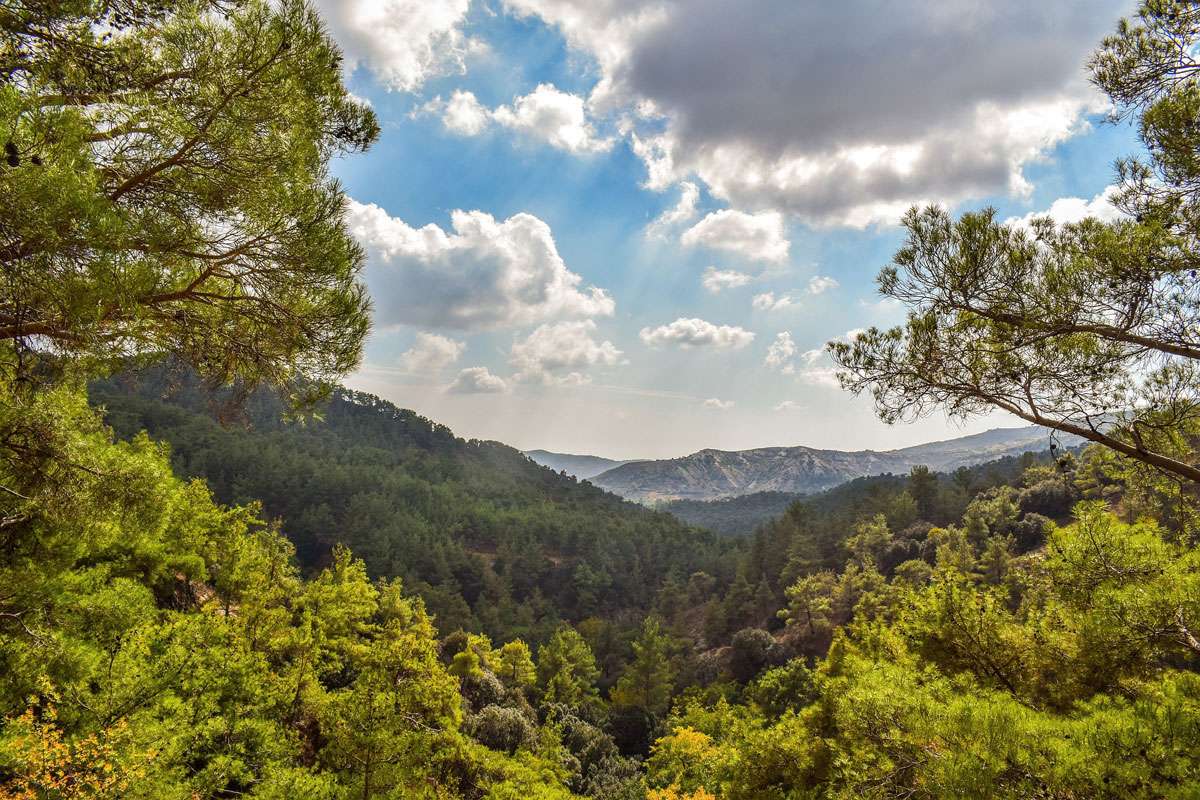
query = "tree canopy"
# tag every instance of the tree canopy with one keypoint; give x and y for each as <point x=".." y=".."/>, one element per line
<point x="1089" y="328"/>
<point x="167" y="188"/>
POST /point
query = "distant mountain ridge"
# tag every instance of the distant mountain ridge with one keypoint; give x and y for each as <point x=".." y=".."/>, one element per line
<point x="714" y="474"/>
<point x="581" y="466"/>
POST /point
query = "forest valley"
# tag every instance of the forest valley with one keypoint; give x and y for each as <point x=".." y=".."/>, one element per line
<point x="222" y="575"/>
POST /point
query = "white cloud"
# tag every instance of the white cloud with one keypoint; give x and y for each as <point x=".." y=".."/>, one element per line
<point x="810" y="366"/>
<point x="1074" y="209"/>
<point x="819" y="284"/>
<point x="697" y="333"/>
<point x="820" y="376"/>
<point x="477" y="380"/>
<point x="818" y="368"/>
<point x="789" y="405"/>
<point x="556" y="353"/>
<point x="812" y="356"/>
<point x="431" y="353"/>
<point x="832" y="111"/>
<point x="758" y="237"/>
<point x="485" y="274"/>
<point x="462" y="113"/>
<point x="555" y="117"/>
<point x="767" y="301"/>
<point x="546" y="114"/>
<point x="655" y="153"/>
<point x="681" y="212"/>
<point x="718" y="404"/>
<point x="716" y="280"/>
<point x="403" y="42"/>
<point x="781" y="353"/>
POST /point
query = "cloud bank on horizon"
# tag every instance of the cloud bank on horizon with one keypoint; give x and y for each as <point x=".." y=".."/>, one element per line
<point x="672" y="204"/>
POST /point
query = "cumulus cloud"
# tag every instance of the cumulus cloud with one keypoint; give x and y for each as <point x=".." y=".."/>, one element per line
<point x="789" y="405"/>
<point x="718" y="404"/>
<point x="557" y="353"/>
<point x="483" y="274"/>
<point x="717" y="280"/>
<point x="431" y="353"/>
<point x="693" y="332"/>
<point x="768" y="301"/>
<point x="810" y="366"/>
<point x="546" y="114"/>
<point x="780" y="354"/>
<point x="815" y="367"/>
<point x="403" y="42"/>
<point x="558" y="118"/>
<point x="833" y="111"/>
<point x="1074" y="209"/>
<point x="819" y="284"/>
<point x="758" y="237"/>
<point x="462" y="113"/>
<point x="683" y="211"/>
<point x="477" y="380"/>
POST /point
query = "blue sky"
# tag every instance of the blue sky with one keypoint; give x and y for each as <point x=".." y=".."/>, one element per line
<point x="524" y="291"/>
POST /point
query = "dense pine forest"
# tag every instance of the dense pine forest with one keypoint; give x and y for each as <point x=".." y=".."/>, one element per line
<point x="490" y="540"/>
<point x="224" y="575"/>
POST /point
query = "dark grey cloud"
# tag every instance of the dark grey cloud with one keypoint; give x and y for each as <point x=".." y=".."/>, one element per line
<point x="779" y="72"/>
<point x="842" y="111"/>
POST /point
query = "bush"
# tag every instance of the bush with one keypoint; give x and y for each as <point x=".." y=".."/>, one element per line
<point x="750" y="651"/>
<point x="1030" y="532"/>
<point x="482" y="689"/>
<point x="616" y="778"/>
<point x="586" y="742"/>
<point x="1051" y="497"/>
<point x="782" y="689"/>
<point x="501" y="728"/>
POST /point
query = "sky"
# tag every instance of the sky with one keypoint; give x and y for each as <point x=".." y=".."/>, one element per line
<point x="628" y="227"/>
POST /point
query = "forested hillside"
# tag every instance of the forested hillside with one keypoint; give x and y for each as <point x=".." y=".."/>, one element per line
<point x="732" y="516"/>
<point x="324" y="596"/>
<point x="743" y="515"/>
<point x="491" y="541"/>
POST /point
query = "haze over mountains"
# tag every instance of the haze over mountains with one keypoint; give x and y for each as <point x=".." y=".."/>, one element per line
<point x="580" y="466"/>
<point x="713" y="474"/>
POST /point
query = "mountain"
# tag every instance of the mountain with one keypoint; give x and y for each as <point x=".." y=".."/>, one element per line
<point x="489" y="539"/>
<point x="581" y="467"/>
<point x="715" y="474"/>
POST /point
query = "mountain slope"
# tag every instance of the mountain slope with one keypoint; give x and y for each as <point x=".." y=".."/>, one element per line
<point x="580" y="466"/>
<point x="488" y="538"/>
<point x="714" y="474"/>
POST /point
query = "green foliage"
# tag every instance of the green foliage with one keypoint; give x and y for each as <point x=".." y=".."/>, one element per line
<point x="732" y="516"/>
<point x="646" y="684"/>
<point x="168" y="189"/>
<point x="491" y="541"/>
<point x="1089" y="327"/>
<point x="515" y="665"/>
<point x="501" y="728"/>
<point x="957" y="638"/>
<point x="566" y="670"/>
<point x="165" y="644"/>
<point x="1072" y="675"/>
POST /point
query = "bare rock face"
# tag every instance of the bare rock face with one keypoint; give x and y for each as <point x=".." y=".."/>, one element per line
<point x="713" y="474"/>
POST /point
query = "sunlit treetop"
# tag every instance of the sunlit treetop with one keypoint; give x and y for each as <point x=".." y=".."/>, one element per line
<point x="167" y="189"/>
